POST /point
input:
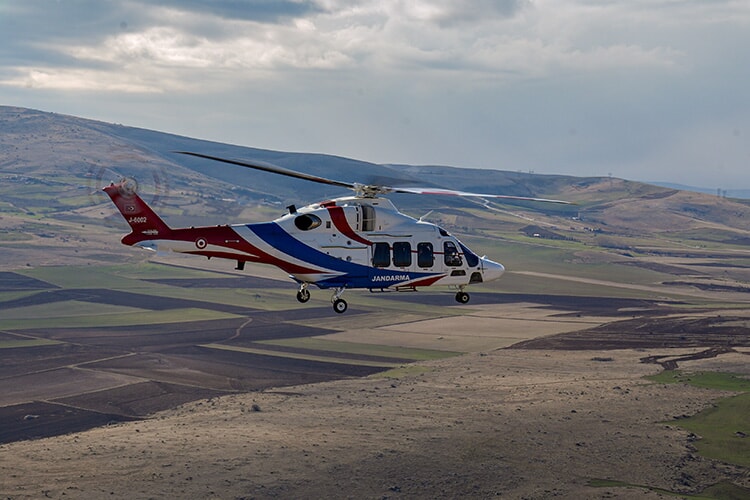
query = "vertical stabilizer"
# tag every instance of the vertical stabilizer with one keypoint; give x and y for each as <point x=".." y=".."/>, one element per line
<point x="143" y="221"/>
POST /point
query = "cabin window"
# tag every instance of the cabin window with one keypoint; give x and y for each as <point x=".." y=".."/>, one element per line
<point x="368" y="218"/>
<point x="451" y="255"/>
<point x="381" y="255"/>
<point x="425" y="255"/>
<point x="402" y="254"/>
<point x="306" y="222"/>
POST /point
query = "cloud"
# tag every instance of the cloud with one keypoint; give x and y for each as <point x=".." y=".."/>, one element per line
<point x="248" y="40"/>
<point x="582" y="86"/>
<point x="265" y="11"/>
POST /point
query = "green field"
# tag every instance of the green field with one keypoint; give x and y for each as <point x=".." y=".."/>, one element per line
<point x="296" y="355"/>
<point x="724" y="429"/>
<point x="20" y="343"/>
<point x="78" y="312"/>
<point x="720" y="491"/>
<point x="709" y="380"/>
<point x="409" y="354"/>
<point x="89" y="320"/>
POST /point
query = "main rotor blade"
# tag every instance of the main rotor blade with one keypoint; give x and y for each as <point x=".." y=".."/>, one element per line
<point x="270" y="167"/>
<point x="367" y="191"/>
<point x="450" y="192"/>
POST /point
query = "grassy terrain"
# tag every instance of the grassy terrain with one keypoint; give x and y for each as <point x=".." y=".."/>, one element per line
<point x="721" y="491"/>
<point x="357" y="348"/>
<point x="724" y="429"/>
<point x="78" y="276"/>
<point x="403" y="371"/>
<point x="709" y="380"/>
<point x="66" y="309"/>
<point x="148" y="270"/>
<point x="294" y="355"/>
<point x="135" y="278"/>
<point x="88" y="320"/>
<point x="20" y="343"/>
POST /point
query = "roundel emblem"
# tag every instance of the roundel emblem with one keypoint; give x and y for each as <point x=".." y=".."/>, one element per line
<point x="200" y="243"/>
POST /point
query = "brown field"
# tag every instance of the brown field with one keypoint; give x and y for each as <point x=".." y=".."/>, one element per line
<point x="549" y="402"/>
<point x="95" y="375"/>
<point x="513" y="423"/>
<point x="14" y="281"/>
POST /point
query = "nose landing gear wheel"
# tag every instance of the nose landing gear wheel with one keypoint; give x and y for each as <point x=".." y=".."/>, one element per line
<point x="340" y="305"/>
<point x="462" y="297"/>
<point x="303" y="295"/>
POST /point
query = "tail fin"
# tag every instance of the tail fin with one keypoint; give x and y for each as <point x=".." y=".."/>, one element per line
<point x="143" y="221"/>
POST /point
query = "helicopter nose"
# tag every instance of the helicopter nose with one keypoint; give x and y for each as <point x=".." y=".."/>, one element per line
<point x="491" y="270"/>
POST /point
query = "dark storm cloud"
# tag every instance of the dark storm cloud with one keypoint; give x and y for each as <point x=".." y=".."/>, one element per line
<point x="31" y="31"/>
<point x="69" y="41"/>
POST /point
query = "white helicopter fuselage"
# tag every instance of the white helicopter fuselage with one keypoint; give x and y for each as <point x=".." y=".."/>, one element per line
<point x="368" y="243"/>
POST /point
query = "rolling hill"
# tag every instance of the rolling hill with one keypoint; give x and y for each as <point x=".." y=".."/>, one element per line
<point x="53" y="168"/>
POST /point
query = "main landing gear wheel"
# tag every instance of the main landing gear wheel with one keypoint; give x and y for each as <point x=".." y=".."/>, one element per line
<point x="303" y="295"/>
<point x="462" y="297"/>
<point x="340" y="305"/>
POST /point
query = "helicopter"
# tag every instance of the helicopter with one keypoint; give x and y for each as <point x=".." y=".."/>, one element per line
<point x="353" y="242"/>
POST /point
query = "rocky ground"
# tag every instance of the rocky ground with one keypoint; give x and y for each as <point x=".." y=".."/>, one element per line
<point x="513" y="423"/>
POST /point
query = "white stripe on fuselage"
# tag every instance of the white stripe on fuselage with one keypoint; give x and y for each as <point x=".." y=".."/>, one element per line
<point x="249" y="235"/>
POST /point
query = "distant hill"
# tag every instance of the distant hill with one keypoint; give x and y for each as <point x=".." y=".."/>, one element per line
<point x="52" y="145"/>
<point x="54" y="166"/>
<point x="725" y="193"/>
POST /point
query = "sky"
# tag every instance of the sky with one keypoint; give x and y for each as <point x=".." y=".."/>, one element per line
<point x="650" y="90"/>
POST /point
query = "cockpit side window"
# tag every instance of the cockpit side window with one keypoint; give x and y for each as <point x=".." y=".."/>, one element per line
<point x="451" y="255"/>
<point x="306" y="222"/>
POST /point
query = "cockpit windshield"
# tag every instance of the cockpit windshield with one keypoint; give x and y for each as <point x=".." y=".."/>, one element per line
<point x="471" y="258"/>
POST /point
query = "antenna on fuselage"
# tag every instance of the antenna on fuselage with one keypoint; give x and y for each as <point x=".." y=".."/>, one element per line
<point x="421" y="219"/>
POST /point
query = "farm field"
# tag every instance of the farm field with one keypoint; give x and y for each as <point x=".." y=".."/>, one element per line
<point x="547" y="366"/>
<point x="610" y="361"/>
<point x="136" y="347"/>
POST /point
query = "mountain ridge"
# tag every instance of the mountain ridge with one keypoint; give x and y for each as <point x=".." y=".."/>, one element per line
<point x="56" y="165"/>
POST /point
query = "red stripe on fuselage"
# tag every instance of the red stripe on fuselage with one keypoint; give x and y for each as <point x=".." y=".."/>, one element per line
<point x="225" y="236"/>
<point x="339" y="220"/>
<point x="427" y="281"/>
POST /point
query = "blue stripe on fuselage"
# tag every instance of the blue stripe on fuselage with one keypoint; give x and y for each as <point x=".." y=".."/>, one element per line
<point x="274" y="235"/>
<point x="354" y="275"/>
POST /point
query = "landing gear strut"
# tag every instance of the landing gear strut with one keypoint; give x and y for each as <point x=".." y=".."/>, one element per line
<point x="339" y="304"/>
<point x="304" y="294"/>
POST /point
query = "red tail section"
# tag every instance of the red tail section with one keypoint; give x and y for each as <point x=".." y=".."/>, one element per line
<point x="143" y="221"/>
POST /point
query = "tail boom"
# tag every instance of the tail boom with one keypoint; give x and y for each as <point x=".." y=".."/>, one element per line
<point x="148" y="230"/>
